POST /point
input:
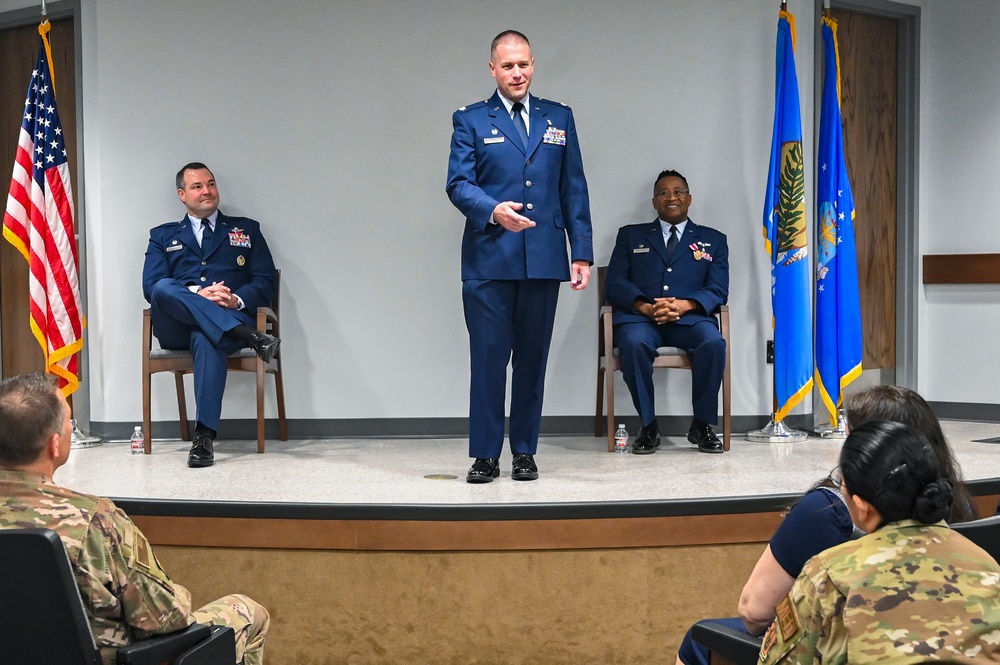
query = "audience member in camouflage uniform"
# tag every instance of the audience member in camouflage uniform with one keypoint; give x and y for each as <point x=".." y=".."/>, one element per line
<point x="912" y="590"/>
<point x="128" y="596"/>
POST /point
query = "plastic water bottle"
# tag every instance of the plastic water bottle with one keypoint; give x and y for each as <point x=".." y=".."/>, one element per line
<point x="138" y="444"/>
<point x="621" y="439"/>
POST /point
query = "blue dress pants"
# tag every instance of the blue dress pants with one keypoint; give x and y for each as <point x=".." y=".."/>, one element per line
<point x="183" y="320"/>
<point x="637" y="343"/>
<point x="509" y="321"/>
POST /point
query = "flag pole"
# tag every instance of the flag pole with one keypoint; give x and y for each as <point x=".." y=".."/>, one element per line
<point x="839" y="344"/>
<point x="79" y="438"/>
<point x="82" y="440"/>
<point x="786" y="242"/>
<point x="776" y="431"/>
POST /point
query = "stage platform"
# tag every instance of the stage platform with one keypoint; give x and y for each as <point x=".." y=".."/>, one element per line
<point x="411" y="494"/>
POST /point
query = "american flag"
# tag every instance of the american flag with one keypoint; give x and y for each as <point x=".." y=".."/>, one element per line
<point x="39" y="223"/>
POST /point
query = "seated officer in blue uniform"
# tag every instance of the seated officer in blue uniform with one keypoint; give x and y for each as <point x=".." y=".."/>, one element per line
<point x="664" y="280"/>
<point x="204" y="278"/>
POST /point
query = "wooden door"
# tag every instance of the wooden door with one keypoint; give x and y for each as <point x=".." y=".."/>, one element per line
<point x="19" y="350"/>
<point x="869" y="57"/>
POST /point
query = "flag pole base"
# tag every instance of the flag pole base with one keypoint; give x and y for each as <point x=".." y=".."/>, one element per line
<point x="830" y="432"/>
<point x="777" y="432"/>
<point x="81" y="440"/>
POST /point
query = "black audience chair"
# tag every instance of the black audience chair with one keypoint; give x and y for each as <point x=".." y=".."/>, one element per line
<point x="984" y="532"/>
<point x="42" y="618"/>
<point x="728" y="646"/>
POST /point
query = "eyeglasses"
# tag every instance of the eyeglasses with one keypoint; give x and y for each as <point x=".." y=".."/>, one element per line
<point x="671" y="193"/>
<point x="836" y="478"/>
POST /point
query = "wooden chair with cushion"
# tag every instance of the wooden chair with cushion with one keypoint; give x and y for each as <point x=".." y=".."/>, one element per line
<point x="667" y="357"/>
<point x="245" y="360"/>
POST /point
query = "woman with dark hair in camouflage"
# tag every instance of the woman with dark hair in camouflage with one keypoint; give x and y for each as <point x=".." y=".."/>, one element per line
<point x="911" y="590"/>
<point x="820" y="519"/>
<point x="903" y="405"/>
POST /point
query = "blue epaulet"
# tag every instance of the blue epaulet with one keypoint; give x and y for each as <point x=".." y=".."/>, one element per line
<point x="549" y="101"/>
<point x="474" y="105"/>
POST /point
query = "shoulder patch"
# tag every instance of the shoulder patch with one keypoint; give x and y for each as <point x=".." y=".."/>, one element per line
<point x="143" y="555"/>
<point x="770" y="639"/>
<point x="785" y="617"/>
<point x="138" y="552"/>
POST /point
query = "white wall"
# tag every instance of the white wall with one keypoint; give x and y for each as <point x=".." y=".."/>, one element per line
<point x="960" y="174"/>
<point x="329" y="122"/>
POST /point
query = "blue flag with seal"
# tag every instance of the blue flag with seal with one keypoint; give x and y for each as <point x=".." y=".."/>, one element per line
<point x="838" y="307"/>
<point x="786" y="238"/>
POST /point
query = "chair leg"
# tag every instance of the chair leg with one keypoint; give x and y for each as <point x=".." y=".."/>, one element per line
<point x="727" y="424"/>
<point x="147" y="425"/>
<point x="599" y="409"/>
<point x="279" y="390"/>
<point x="182" y="405"/>
<point x="260" y="405"/>
<point x="727" y="420"/>
<point x="610" y="381"/>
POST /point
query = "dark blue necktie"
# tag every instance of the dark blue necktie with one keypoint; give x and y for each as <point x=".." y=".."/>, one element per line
<point x="206" y="235"/>
<point x="672" y="242"/>
<point x="519" y="123"/>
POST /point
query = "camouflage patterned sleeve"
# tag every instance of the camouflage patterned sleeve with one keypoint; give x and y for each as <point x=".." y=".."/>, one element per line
<point x="806" y="627"/>
<point x="151" y="602"/>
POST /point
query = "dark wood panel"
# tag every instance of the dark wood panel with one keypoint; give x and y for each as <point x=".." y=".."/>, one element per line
<point x="469" y="536"/>
<point x="869" y="63"/>
<point x="20" y="351"/>
<point x="962" y="269"/>
<point x="400" y="535"/>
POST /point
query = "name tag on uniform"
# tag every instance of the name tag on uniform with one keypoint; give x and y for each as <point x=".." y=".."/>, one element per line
<point x="640" y="250"/>
<point x="495" y="139"/>
<point x="174" y="248"/>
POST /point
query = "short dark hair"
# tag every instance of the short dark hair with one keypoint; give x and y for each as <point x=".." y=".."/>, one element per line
<point x="31" y="411"/>
<point x="512" y="35"/>
<point x="190" y="166"/>
<point x="667" y="174"/>
<point x="906" y="406"/>
<point x="895" y="469"/>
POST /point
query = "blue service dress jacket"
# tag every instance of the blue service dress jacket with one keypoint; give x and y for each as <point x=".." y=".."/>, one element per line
<point x="238" y="256"/>
<point x="639" y="269"/>
<point x="489" y="164"/>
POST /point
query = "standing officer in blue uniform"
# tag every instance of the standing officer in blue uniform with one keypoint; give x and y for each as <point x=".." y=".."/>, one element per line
<point x="204" y="278"/>
<point x="516" y="174"/>
<point x="665" y="279"/>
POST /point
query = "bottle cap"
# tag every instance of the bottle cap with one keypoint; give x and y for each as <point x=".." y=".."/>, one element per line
<point x="622" y="426"/>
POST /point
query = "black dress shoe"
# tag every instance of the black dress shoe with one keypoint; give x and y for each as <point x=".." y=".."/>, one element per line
<point x="483" y="470"/>
<point x="266" y="346"/>
<point x="703" y="436"/>
<point x="201" y="451"/>
<point x="648" y="440"/>
<point x="524" y="467"/>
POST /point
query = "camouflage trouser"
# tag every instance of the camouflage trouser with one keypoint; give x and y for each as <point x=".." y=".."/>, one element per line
<point x="247" y="617"/>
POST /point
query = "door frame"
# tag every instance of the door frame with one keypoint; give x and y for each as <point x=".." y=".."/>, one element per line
<point x="907" y="18"/>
